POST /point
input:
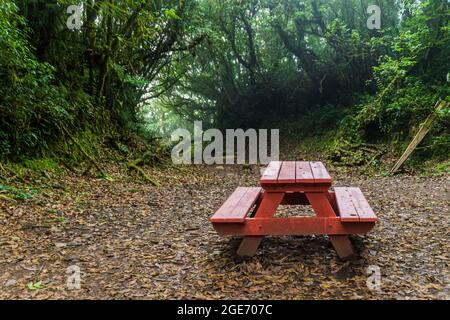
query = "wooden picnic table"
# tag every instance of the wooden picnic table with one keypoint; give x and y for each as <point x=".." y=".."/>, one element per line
<point x="249" y="211"/>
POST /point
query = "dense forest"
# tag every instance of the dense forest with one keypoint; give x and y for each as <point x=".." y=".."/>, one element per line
<point x="104" y="72"/>
<point x="94" y="206"/>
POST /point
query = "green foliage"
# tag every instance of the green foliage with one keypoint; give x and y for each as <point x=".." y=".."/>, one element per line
<point x="31" y="105"/>
<point x="410" y="81"/>
<point x="34" y="286"/>
<point x="263" y="59"/>
<point x="90" y="81"/>
<point x="147" y="67"/>
<point x="13" y="192"/>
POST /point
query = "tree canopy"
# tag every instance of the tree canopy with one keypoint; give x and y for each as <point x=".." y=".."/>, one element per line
<point x="232" y="63"/>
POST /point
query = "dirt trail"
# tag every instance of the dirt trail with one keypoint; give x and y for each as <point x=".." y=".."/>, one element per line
<point x="131" y="240"/>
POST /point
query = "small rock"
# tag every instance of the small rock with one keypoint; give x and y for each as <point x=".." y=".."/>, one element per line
<point x="220" y="168"/>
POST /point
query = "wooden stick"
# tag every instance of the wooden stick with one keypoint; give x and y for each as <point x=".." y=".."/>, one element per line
<point x="84" y="151"/>
<point x="6" y="198"/>
<point x="423" y="130"/>
<point x="134" y="166"/>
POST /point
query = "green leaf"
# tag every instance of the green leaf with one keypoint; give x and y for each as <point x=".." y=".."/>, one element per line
<point x="171" y="14"/>
<point x="36" y="286"/>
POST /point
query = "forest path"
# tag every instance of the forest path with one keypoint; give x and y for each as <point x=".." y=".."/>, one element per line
<point x="131" y="240"/>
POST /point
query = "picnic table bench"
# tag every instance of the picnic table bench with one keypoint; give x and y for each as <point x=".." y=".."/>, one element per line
<point x="249" y="211"/>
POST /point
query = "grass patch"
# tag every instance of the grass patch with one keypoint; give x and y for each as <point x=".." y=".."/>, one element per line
<point x="9" y="192"/>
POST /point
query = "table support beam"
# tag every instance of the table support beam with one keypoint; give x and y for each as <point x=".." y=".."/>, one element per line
<point x="266" y="209"/>
<point x="298" y="226"/>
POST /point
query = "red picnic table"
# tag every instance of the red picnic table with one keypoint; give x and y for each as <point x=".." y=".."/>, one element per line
<point x="249" y="211"/>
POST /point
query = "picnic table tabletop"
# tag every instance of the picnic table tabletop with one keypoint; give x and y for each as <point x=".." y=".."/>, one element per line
<point x="291" y="174"/>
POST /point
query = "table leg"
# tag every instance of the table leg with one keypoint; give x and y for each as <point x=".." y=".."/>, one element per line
<point x="267" y="208"/>
<point x="249" y="245"/>
<point x="322" y="206"/>
<point x="343" y="246"/>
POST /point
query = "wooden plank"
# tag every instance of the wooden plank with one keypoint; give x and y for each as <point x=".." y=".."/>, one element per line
<point x="270" y="175"/>
<point x="303" y="173"/>
<point x="361" y="205"/>
<point x="423" y="130"/>
<point x="292" y="226"/>
<point x="246" y="203"/>
<point x="228" y="205"/>
<point x="291" y="187"/>
<point x="346" y="209"/>
<point x="319" y="172"/>
<point x="353" y="206"/>
<point x="234" y="208"/>
<point x="287" y="172"/>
